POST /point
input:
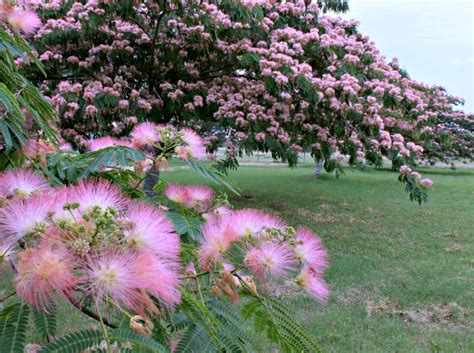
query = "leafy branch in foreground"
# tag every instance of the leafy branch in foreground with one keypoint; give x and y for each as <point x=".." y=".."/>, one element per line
<point x="21" y="103"/>
<point x="118" y="259"/>
<point x="277" y="321"/>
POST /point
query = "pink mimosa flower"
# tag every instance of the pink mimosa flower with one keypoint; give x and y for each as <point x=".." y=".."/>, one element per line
<point x="144" y="135"/>
<point x="104" y="142"/>
<point x="250" y="222"/>
<point x="216" y="213"/>
<point x="150" y="229"/>
<point x="177" y="193"/>
<point x="194" y="145"/>
<point x="22" y="182"/>
<point x="24" y="216"/>
<point x="59" y="197"/>
<point x="7" y="251"/>
<point x="158" y="278"/>
<point x="270" y="259"/>
<point x="310" y="250"/>
<point x="24" y="20"/>
<point x="199" y="196"/>
<point x="112" y="277"/>
<point x="43" y="272"/>
<point x="216" y="239"/>
<point x="96" y="193"/>
<point x="426" y="183"/>
<point x="405" y="169"/>
<point x="191" y="269"/>
<point x="314" y="284"/>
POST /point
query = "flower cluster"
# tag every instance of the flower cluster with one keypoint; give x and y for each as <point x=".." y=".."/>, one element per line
<point x="406" y="171"/>
<point x="19" y="17"/>
<point x="151" y="138"/>
<point x="87" y="242"/>
<point x="269" y="248"/>
<point x="191" y="196"/>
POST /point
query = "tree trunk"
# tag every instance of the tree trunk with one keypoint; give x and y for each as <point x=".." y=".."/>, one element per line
<point x="317" y="170"/>
<point x="151" y="180"/>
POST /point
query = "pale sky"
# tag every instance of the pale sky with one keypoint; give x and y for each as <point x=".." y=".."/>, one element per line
<point x="433" y="39"/>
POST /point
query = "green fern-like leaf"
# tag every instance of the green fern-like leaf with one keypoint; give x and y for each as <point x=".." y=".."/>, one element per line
<point x="75" y="342"/>
<point x="185" y="224"/>
<point x="231" y="322"/>
<point x="218" y="329"/>
<point x="193" y="339"/>
<point x="18" y="94"/>
<point x="137" y="340"/>
<point x="71" y="166"/>
<point x="213" y="175"/>
<point x="13" y="324"/>
<point x="79" y="341"/>
<point x="46" y="323"/>
<point x="277" y="321"/>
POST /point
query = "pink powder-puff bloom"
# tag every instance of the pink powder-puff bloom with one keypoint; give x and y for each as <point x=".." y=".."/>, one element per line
<point x="24" y="216"/>
<point x="21" y="182"/>
<point x="65" y="146"/>
<point x="7" y="251"/>
<point x="194" y="145"/>
<point x="405" y="169"/>
<point x="191" y="269"/>
<point x="112" y="277"/>
<point x="177" y="193"/>
<point x="216" y="213"/>
<point x="96" y="193"/>
<point x="416" y="175"/>
<point x="24" y="20"/>
<point x="104" y="142"/>
<point x="221" y="211"/>
<point x="310" y="250"/>
<point x="149" y="228"/>
<point x="250" y="222"/>
<point x="270" y="259"/>
<point x="199" y="196"/>
<point x="228" y="267"/>
<point x="158" y="278"/>
<point x="44" y="271"/>
<point x="426" y="183"/>
<point x="145" y="135"/>
<point x="216" y="240"/>
<point x="314" y="284"/>
<point x="59" y="196"/>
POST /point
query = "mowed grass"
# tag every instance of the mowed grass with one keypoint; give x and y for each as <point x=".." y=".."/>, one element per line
<point x="401" y="275"/>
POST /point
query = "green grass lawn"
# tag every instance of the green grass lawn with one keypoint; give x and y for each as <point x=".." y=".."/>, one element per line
<point x="401" y="275"/>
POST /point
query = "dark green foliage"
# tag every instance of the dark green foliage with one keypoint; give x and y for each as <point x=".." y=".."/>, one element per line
<point x="13" y="325"/>
<point x="211" y="327"/>
<point x="46" y="323"/>
<point x="17" y="95"/>
<point x="79" y="341"/>
<point x="276" y="320"/>
<point x="307" y="88"/>
<point x="71" y="166"/>
<point x="334" y="5"/>
<point x="212" y="174"/>
<point x="416" y="191"/>
<point x="186" y="224"/>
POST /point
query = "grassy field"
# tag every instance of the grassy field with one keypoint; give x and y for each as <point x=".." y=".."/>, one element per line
<point x="401" y="275"/>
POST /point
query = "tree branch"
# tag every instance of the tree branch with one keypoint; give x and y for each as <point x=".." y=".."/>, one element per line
<point x="89" y="312"/>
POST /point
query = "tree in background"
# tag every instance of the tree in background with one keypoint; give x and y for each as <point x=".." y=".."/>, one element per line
<point x="249" y="75"/>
